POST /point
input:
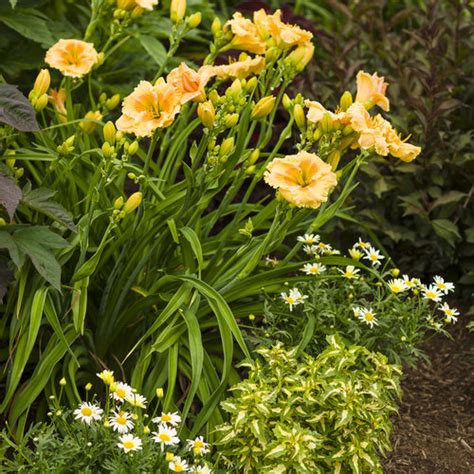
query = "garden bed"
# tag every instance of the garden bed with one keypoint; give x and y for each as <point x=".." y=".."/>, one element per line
<point x="435" y="431"/>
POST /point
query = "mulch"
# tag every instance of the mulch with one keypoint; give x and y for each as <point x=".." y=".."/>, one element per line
<point x="434" y="432"/>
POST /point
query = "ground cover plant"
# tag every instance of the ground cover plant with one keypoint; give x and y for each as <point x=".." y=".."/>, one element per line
<point x="154" y="206"/>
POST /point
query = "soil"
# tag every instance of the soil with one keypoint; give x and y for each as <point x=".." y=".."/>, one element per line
<point x="435" y="430"/>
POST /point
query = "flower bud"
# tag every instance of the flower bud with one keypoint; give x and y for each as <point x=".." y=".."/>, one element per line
<point x="298" y="114"/>
<point x="177" y="10"/>
<point x="395" y="272"/>
<point x="206" y="113"/>
<point x="326" y="123"/>
<point x="102" y="98"/>
<point x="146" y="430"/>
<point x="286" y="101"/>
<point x="254" y="156"/>
<point x="133" y="202"/>
<point x="159" y="392"/>
<point x="169" y="457"/>
<point x="111" y="103"/>
<point x="40" y="103"/>
<point x="100" y="59"/>
<point x="70" y="141"/>
<point x="19" y="172"/>
<point x="252" y="84"/>
<point x="216" y="26"/>
<point x="109" y="132"/>
<point x="231" y="120"/>
<point x="107" y="150"/>
<point x="214" y="97"/>
<point x="2" y="221"/>
<point x="333" y="159"/>
<point x="346" y="101"/>
<point x="194" y="20"/>
<point x="235" y="90"/>
<point x="263" y="107"/>
<point x="250" y="170"/>
<point x="42" y="83"/>
<point x="301" y="56"/>
<point x="88" y="387"/>
<point x="272" y="54"/>
<point x="317" y="134"/>
<point x="118" y="203"/>
<point x="137" y="11"/>
<point x="227" y="146"/>
<point x="88" y="125"/>
<point x="252" y="317"/>
<point x="10" y="162"/>
<point x="63" y="382"/>
<point x="126" y="4"/>
<point x="133" y="148"/>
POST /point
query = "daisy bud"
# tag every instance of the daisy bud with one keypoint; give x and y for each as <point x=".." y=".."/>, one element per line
<point x="102" y="98"/>
<point x="133" y="148"/>
<point x="346" y="101"/>
<point x="2" y="221"/>
<point x="177" y="10"/>
<point x="135" y="416"/>
<point x="206" y="113"/>
<point x="169" y="456"/>
<point x="62" y="382"/>
<point x="263" y="108"/>
<point x="252" y="317"/>
<point x="133" y="202"/>
<point x="40" y="103"/>
<point x="59" y="413"/>
<point x="146" y="430"/>
<point x="88" y="387"/>
<point x="106" y="424"/>
<point x="19" y="172"/>
<point x="231" y="120"/>
<point x="160" y="393"/>
<point x="107" y="150"/>
<point x="298" y="114"/>
<point x="194" y="20"/>
<point x="216" y="26"/>
<point x="111" y="103"/>
<point x="395" y="272"/>
<point x="42" y="83"/>
<point x="109" y="132"/>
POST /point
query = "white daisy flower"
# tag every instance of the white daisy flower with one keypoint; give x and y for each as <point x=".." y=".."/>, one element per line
<point x="293" y="298"/>
<point x="374" y="256"/>
<point x="313" y="268"/>
<point x="88" y="412"/>
<point x="310" y="249"/>
<point x="172" y="419"/>
<point x="350" y="272"/>
<point x="201" y="470"/>
<point x="166" y="436"/>
<point x="397" y="285"/>
<point x="271" y="261"/>
<point x="198" y="446"/>
<point x="178" y="465"/>
<point x="128" y="442"/>
<point x="366" y="315"/>
<point x="362" y="244"/>
<point x="432" y="293"/>
<point x="450" y="313"/>
<point x="411" y="283"/>
<point x="121" y="391"/>
<point x="309" y="239"/>
<point x="136" y="400"/>
<point x="355" y="253"/>
<point x="443" y="286"/>
<point x="121" y="421"/>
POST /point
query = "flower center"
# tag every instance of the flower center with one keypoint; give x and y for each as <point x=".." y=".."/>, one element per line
<point x="369" y="316"/>
<point x="165" y="418"/>
<point x="86" y="411"/>
<point x="198" y="444"/>
<point x="120" y="392"/>
<point x="128" y="444"/>
<point x="121" y="420"/>
<point x="178" y="468"/>
<point x="165" y="437"/>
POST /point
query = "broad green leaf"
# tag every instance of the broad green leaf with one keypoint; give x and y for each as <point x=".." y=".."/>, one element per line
<point x="447" y="230"/>
<point x="7" y="242"/>
<point x="154" y="48"/>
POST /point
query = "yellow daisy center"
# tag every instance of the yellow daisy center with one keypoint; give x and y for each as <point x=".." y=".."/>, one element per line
<point x="121" y="420"/>
<point x="120" y="392"/>
<point x="165" y="437"/>
<point x="369" y="316"/>
<point x="198" y="444"/>
<point x="128" y="444"/>
<point x="290" y="300"/>
<point x="314" y="270"/>
<point x="178" y="468"/>
<point x="86" y="411"/>
<point x="165" y="418"/>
